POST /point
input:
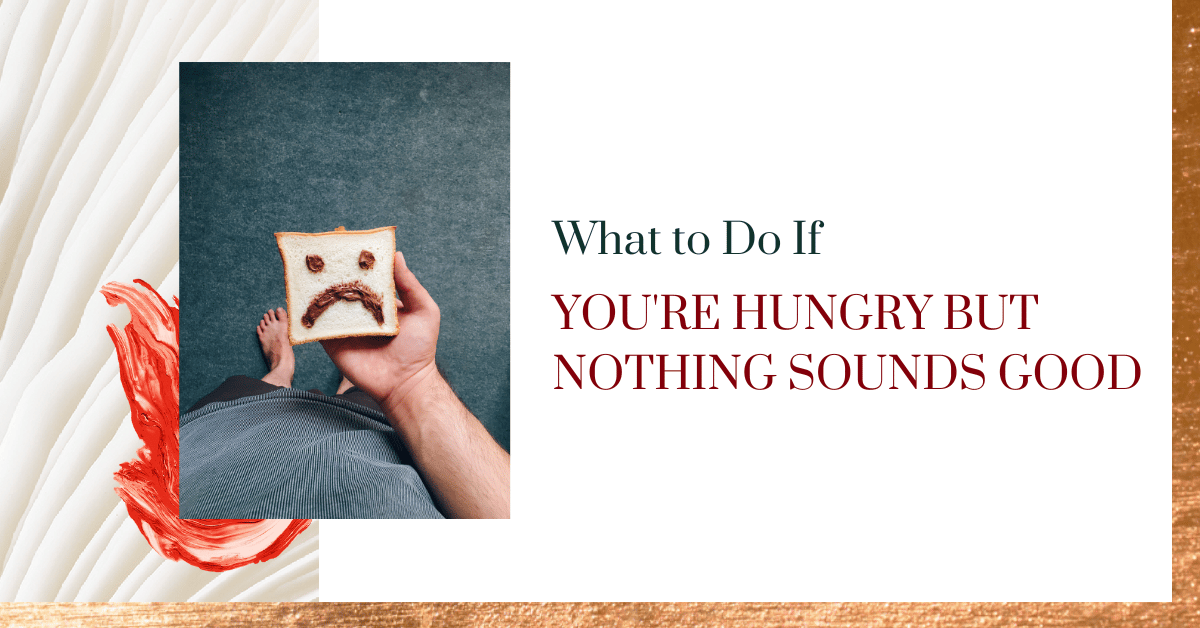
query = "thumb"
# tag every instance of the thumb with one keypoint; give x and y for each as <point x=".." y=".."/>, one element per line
<point x="412" y="294"/>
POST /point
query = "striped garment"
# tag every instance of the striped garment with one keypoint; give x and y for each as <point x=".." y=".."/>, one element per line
<point x="293" y="454"/>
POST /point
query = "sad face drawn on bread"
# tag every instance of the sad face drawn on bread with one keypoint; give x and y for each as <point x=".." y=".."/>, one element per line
<point x="349" y="291"/>
<point x="339" y="284"/>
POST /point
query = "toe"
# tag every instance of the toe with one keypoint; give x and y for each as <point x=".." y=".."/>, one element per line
<point x="281" y="313"/>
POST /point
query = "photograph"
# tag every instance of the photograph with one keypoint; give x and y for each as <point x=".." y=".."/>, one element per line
<point x="344" y="290"/>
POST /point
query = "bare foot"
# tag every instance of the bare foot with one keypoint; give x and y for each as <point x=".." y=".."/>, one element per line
<point x="276" y="348"/>
<point x="344" y="386"/>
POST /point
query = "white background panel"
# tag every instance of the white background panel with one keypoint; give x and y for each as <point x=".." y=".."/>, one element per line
<point x="949" y="148"/>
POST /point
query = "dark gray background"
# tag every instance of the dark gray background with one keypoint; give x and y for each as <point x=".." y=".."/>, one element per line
<point x="268" y="147"/>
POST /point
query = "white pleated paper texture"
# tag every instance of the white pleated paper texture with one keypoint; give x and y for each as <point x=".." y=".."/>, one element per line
<point x="89" y="174"/>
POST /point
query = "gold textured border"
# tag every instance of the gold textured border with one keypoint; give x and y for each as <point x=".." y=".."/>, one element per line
<point x="1185" y="304"/>
<point x="596" y="615"/>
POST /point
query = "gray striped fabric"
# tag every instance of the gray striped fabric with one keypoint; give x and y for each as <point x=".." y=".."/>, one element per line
<point x="292" y="454"/>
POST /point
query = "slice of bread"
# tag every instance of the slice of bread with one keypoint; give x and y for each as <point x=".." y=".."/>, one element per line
<point x="339" y="283"/>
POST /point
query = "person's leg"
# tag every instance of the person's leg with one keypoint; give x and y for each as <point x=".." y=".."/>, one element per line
<point x="281" y="362"/>
<point x="235" y="387"/>
<point x="354" y="394"/>
<point x="276" y="348"/>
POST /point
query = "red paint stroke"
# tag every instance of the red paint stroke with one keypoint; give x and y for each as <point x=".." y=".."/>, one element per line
<point x="148" y="353"/>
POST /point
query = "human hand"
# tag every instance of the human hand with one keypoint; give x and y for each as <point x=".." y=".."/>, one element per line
<point x="391" y="369"/>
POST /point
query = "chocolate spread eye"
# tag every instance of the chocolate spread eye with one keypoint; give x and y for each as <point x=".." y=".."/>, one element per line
<point x="366" y="260"/>
<point x="315" y="263"/>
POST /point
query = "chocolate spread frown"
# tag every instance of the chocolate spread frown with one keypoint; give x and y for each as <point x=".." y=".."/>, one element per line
<point x="352" y="291"/>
